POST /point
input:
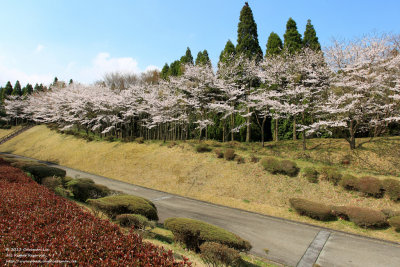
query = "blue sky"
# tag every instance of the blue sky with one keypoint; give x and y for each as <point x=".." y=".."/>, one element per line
<point x="83" y="39"/>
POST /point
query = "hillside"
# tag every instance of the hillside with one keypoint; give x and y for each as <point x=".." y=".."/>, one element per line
<point x="179" y="169"/>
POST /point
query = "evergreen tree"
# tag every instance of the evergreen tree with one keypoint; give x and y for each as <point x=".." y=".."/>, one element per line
<point x="292" y="38"/>
<point x="8" y="89"/>
<point x="165" y="71"/>
<point x="187" y="58"/>
<point x="247" y="41"/>
<point x="274" y="45"/>
<point x="17" y="89"/>
<point x="175" y="68"/>
<point x="27" y="90"/>
<point x="228" y="51"/>
<point x="36" y="88"/>
<point x="203" y="58"/>
<point x="55" y="81"/>
<point x="70" y="81"/>
<point x="310" y="37"/>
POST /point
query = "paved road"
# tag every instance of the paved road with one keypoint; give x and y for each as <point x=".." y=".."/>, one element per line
<point x="288" y="243"/>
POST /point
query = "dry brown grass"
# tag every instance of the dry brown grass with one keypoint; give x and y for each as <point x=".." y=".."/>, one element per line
<point x="4" y="132"/>
<point x="182" y="171"/>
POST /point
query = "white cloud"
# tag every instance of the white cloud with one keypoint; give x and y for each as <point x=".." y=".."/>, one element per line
<point x="39" y="48"/>
<point x="104" y="63"/>
<point x="151" y="67"/>
<point x="13" y="75"/>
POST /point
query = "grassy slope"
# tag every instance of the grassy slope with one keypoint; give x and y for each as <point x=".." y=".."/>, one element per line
<point x="4" y="132"/>
<point x="182" y="171"/>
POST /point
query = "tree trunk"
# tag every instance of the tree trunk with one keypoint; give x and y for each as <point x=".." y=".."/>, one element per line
<point x="352" y="139"/>
<point x="304" y="133"/>
<point x="294" y="128"/>
<point x="248" y="119"/>
<point x="276" y="130"/>
<point x="262" y="131"/>
<point x="232" y="124"/>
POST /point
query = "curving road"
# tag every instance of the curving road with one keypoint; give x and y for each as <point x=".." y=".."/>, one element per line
<point x="288" y="243"/>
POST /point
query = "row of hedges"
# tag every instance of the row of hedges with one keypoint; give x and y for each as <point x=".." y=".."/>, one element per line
<point x="363" y="217"/>
<point x="65" y="230"/>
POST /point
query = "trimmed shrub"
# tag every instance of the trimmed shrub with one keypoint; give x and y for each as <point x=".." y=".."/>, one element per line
<point x="370" y="186"/>
<point x="125" y="204"/>
<point x="216" y="254"/>
<point x="51" y="182"/>
<point x="390" y="213"/>
<point x="85" y="188"/>
<point x="311" y="174"/>
<point x="23" y="164"/>
<point x="349" y="182"/>
<point x="39" y="172"/>
<point x="203" y="148"/>
<point x="194" y="233"/>
<point x="395" y="223"/>
<point x="312" y="209"/>
<point x="139" y="140"/>
<point x="392" y="188"/>
<point x="229" y="154"/>
<point x="136" y="220"/>
<point x="331" y="174"/>
<point x="366" y="218"/>
<point x="219" y="153"/>
<point x="61" y="191"/>
<point x="275" y="166"/>
<point x="65" y="180"/>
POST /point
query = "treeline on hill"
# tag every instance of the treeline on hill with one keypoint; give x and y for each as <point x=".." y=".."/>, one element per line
<point x="293" y="91"/>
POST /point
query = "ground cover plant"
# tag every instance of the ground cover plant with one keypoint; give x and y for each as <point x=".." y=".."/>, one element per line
<point x="64" y="229"/>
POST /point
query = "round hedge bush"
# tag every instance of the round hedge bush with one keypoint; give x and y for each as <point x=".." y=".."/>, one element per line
<point x="366" y="218"/>
<point x="229" y="154"/>
<point x="349" y="182"/>
<point x="311" y="174"/>
<point x="85" y="188"/>
<point x="39" y="172"/>
<point x="124" y="204"/>
<point x="312" y="209"/>
<point x="216" y="254"/>
<point x="370" y="186"/>
<point x="275" y="166"/>
<point x="392" y="188"/>
<point x="194" y="233"/>
<point x="395" y="223"/>
<point x="136" y="220"/>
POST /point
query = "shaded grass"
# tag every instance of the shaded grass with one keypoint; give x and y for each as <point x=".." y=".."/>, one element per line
<point x="4" y="132"/>
<point x="180" y="170"/>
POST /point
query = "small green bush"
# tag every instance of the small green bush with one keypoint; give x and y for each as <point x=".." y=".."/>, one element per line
<point x="331" y="174"/>
<point x="51" y="182"/>
<point x="366" y="218"/>
<point x="203" y="148"/>
<point x="194" y="233"/>
<point x="125" y="204"/>
<point x="392" y="188"/>
<point x="312" y="209"/>
<point x="219" y="153"/>
<point x="136" y="220"/>
<point x="215" y="254"/>
<point x="139" y="140"/>
<point x="39" y="172"/>
<point x="349" y="182"/>
<point x="395" y="223"/>
<point x="370" y="186"/>
<point x="65" y="180"/>
<point x="229" y="154"/>
<point x="275" y="166"/>
<point x="311" y="174"/>
<point x="61" y="191"/>
<point x="85" y="188"/>
<point x="390" y="213"/>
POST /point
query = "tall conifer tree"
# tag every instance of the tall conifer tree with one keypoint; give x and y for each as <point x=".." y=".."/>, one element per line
<point x="165" y="71"/>
<point x="228" y="51"/>
<point x="310" y="37"/>
<point x="247" y="42"/>
<point x="187" y="58"/>
<point x="17" y="89"/>
<point x="274" y="45"/>
<point x="292" y="38"/>
<point x="8" y="89"/>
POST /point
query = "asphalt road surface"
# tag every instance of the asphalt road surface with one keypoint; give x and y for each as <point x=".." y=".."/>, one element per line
<point x="288" y="243"/>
